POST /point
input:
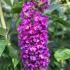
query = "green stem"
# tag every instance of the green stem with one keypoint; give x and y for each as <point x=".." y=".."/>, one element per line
<point x="2" y="20"/>
<point x="62" y="65"/>
<point x="2" y="17"/>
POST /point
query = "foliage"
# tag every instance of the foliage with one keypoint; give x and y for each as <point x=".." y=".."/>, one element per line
<point x="59" y="34"/>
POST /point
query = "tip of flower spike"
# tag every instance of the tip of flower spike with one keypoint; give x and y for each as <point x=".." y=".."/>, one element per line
<point x="27" y="5"/>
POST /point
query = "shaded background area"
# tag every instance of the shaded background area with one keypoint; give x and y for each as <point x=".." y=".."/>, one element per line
<point x="59" y="34"/>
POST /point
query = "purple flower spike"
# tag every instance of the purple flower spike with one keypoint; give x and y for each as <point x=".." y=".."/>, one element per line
<point x="33" y="38"/>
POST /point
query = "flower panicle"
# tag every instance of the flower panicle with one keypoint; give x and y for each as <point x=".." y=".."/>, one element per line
<point x="33" y="37"/>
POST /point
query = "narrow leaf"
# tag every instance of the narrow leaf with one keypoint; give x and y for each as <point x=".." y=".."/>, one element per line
<point x="15" y="62"/>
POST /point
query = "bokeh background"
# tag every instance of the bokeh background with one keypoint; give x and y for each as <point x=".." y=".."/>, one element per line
<point x="58" y="32"/>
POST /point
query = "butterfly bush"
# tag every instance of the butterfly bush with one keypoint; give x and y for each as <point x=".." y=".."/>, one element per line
<point x="33" y="37"/>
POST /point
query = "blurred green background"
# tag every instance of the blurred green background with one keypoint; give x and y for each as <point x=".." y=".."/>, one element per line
<point x="59" y="34"/>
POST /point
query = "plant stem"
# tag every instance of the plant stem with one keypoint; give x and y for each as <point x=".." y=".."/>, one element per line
<point x="2" y="20"/>
<point x="62" y="65"/>
<point x="2" y="17"/>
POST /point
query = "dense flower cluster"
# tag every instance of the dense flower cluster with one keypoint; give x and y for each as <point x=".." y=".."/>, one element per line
<point x="33" y="38"/>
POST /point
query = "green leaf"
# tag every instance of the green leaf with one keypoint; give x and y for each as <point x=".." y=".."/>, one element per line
<point x="3" y="44"/>
<point x="17" y="7"/>
<point x="18" y="22"/>
<point x="62" y="54"/>
<point x="12" y="52"/>
<point x="52" y="7"/>
<point x="15" y="61"/>
<point x="2" y="31"/>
